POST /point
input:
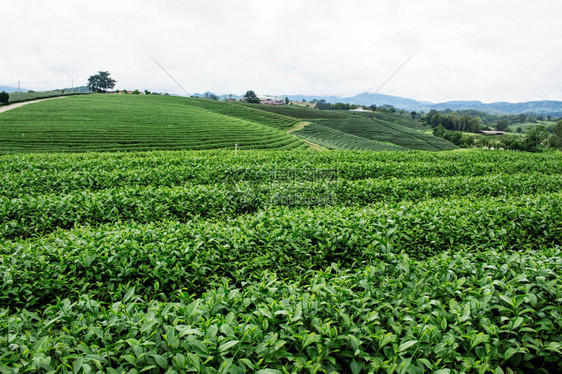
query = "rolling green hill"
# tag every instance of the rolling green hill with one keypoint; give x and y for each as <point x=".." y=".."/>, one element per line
<point x="528" y="126"/>
<point x="369" y="130"/>
<point x="336" y="139"/>
<point x="138" y="122"/>
<point x="384" y="131"/>
<point x="134" y="122"/>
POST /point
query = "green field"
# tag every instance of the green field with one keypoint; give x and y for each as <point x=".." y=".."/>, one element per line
<point x="134" y="122"/>
<point x="97" y="122"/>
<point x="388" y="132"/>
<point x="28" y="96"/>
<point x="528" y="126"/>
<point x="279" y="262"/>
<point x="369" y="131"/>
<point x="336" y="139"/>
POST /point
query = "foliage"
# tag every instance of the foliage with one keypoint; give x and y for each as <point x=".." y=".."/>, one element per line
<point x="4" y="97"/>
<point x="452" y="122"/>
<point x="556" y="139"/>
<point x="251" y="97"/>
<point x="352" y="262"/>
<point x="101" y="82"/>
<point x="502" y="125"/>
<point x="535" y="141"/>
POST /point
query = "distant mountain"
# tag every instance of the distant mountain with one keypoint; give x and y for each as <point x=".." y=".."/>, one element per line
<point x="543" y="107"/>
<point x="9" y="89"/>
<point x="537" y="107"/>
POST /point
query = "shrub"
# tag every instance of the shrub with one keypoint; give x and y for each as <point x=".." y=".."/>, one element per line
<point x="4" y="97"/>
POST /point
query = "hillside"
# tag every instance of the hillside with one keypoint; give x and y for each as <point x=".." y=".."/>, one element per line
<point x="126" y="123"/>
<point x="361" y="131"/>
<point x="138" y="122"/>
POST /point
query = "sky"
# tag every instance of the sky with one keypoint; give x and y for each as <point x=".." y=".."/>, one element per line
<point x="492" y="50"/>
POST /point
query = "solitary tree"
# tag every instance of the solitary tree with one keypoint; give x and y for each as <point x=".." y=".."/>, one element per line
<point x="101" y="82"/>
<point x="250" y="97"/>
<point x="4" y="97"/>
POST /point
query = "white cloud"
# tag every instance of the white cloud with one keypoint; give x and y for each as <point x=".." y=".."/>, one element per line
<point x="483" y="50"/>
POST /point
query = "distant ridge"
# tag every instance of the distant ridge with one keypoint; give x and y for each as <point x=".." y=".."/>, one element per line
<point x="539" y="107"/>
<point x="9" y="89"/>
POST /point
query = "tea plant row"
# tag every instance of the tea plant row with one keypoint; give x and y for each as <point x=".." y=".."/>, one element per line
<point x="455" y="312"/>
<point x="163" y="258"/>
<point x="35" y="215"/>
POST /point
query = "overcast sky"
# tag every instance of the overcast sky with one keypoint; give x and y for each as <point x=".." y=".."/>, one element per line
<point x="464" y="50"/>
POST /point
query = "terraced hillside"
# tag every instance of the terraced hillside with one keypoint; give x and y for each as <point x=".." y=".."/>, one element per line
<point x="369" y="130"/>
<point x="281" y="262"/>
<point x="98" y="122"/>
<point x="336" y="139"/>
<point x="375" y="129"/>
<point x="134" y="122"/>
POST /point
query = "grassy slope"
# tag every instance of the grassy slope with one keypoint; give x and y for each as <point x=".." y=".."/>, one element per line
<point x="333" y="129"/>
<point x="134" y="122"/>
<point x="389" y="132"/>
<point x="528" y="126"/>
<point x="335" y="139"/>
<point x="28" y="96"/>
<point x="114" y="122"/>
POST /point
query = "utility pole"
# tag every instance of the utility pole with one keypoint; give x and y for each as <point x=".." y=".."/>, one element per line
<point x="19" y="89"/>
<point x="73" y="86"/>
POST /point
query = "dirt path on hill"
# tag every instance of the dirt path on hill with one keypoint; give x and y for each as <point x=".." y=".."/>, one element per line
<point x="312" y="145"/>
<point x="5" y="108"/>
<point x="299" y="126"/>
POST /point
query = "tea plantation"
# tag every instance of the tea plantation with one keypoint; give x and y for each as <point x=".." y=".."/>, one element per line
<point x="136" y="123"/>
<point x="100" y="123"/>
<point x="274" y="262"/>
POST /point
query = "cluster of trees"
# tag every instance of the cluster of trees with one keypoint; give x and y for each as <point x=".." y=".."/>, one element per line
<point x="323" y="105"/>
<point x="452" y="121"/>
<point x="538" y="139"/>
<point x="4" y="97"/>
<point x="455" y="137"/>
<point x="491" y="121"/>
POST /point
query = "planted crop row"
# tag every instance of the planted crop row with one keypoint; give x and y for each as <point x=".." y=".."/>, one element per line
<point x="453" y="313"/>
<point x="384" y="131"/>
<point x="162" y="258"/>
<point x="335" y="139"/>
<point x="406" y="161"/>
<point x="36" y="215"/>
<point x="39" y="174"/>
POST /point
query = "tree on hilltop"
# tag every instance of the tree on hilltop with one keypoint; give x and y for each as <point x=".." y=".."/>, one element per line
<point x="251" y="97"/>
<point x="101" y="82"/>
